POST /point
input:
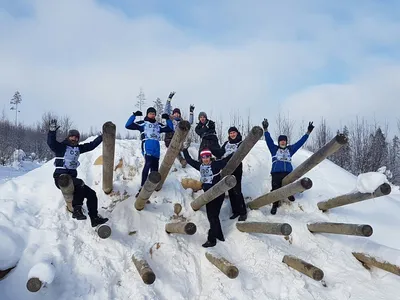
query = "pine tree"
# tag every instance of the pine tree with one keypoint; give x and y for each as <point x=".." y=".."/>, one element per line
<point x="141" y="100"/>
<point x="394" y="160"/>
<point x="15" y="101"/>
<point x="378" y="151"/>
<point x="159" y="106"/>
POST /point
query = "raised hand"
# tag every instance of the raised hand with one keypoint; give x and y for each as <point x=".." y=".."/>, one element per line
<point x="138" y="113"/>
<point x="165" y="116"/>
<point x="171" y="95"/>
<point x="191" y="109"/>
<point x="265" y="124"/>
<point x="53" y="125"/>
<point x="310" y="127"/>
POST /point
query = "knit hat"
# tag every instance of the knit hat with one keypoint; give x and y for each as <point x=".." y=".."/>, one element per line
<point x="176" y="110"/>
<point x="202" y="114"/>
<point x="282" y="138"/>
<point x="151" y="109"/>
<point x="74" y="132"/>
<point x="205" y="152"/>
<point x="233" y="128"/>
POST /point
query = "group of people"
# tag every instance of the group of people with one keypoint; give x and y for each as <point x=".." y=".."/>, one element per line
<point x="67" y="155"/>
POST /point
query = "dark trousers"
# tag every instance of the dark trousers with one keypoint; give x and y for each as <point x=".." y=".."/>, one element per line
<point x="277" y="183"/>
<point x="82" y="191"/>
<point x="210" y="142"/>
<point x="213" y="209"/>
<point x="150" y="164"/>
<point x="235" y="193"/>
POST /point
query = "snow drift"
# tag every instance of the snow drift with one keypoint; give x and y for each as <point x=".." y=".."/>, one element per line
<point x="35" y="224"/>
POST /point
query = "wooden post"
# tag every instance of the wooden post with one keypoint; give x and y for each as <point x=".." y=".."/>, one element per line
<point x="341" y="228"/>
<point x="40" y="275"/>
<point x="67" y="189"/>
<point x="147" y="190"/>
<point x="188" y="183"/>
<point x="281" y="193"/>
<point x="225" y="184"/>
<point x="173" y="150"/>
<point x="303" y="267"/>
<point x="177" y="208"/>
<point x="109" y="130"/>
<point x="223" y="265"/>
<point x="248" y="143"/>
<point x="145" y="272"/>
<point x="181" y="227"/>
<point x="369" y="261"/>
<point x="264" y="227"/>
<point x="331" y="147"/>
<point x="347" y="199"/>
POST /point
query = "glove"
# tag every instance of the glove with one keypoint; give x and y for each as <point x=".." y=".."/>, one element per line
<point x="185" y="145"/>
<point x="171" y="95"/>
<point x="191" y="109"/>
<point x="165" y="116"/>
<point x="53" y="125"/>
<point x="310" y="127"/>
<point x="138" y="113"/>
<point x="265" y="124"/>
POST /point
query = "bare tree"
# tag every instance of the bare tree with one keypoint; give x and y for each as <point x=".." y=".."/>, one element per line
<point x="159" y="106"/>
<point x="284" y="126"/>
<point x="141" y="100"/>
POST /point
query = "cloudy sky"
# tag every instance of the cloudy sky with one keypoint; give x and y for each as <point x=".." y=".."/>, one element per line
<point x="307" y="58"/>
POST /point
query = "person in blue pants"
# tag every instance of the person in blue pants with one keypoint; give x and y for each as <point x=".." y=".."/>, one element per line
<point x="150" y="131"/>
<point x="282" y="158"/>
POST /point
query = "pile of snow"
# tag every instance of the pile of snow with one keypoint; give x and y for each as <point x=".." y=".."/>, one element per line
<point x="369" y="182"/>
<point x="10" y="248"/>
<point x="87" y="267"/>
<point x="17" y="168"/>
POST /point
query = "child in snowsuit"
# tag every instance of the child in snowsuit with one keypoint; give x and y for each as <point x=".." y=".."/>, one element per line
<point x="235" y="194"/>
<point x="150" y="131"/>
<point x="206" y="130"/>
<point x="66" y="162"/>
<point x="282" y="158"/>
<point x="175" y="118"/>
<point x="209" y="176"/>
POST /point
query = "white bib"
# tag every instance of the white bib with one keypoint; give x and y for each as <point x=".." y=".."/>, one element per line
<point x="175" y="123"/>
<point x="151" y="131"/>
<point x="206" y="174"/>
<point x="230" y="148"/>
<point x="283" y="155"/>
<point x="71" y="157"/>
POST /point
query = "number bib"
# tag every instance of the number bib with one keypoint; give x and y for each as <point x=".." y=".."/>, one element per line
<point x="206" y="174"/>
<point x="230" y="148"/>
<point x="283" y="155"/>
<point x="151" y="131"/>
<point x="71" y="157"/>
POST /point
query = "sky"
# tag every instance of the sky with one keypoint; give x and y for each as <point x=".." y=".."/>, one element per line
<point x="307" y="59"/>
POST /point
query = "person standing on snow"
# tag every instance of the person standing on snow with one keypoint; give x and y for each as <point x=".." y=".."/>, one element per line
<point x="66" y="162"/>
<point x="206" y="130"/>
<point x="150" y="131"/>
<point x="282" y="158"/>
<point x="209" y="176"/>
<point x="175" y="118"/>
<point x="235" y="193"/>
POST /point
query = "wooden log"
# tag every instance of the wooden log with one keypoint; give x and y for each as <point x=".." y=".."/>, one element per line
<point x="382" y="190"/>
<point x="281" y="193"/>
<point x="173" y="150"/>
<point x="181" y="227"/>
<point x="248" y="143"/>
<point x="188" y="183"/>
<point x="177" y="208"/>
<point x="67" y="189"/>
<point x="331" y="147"/>
<point x="303" y="267"/>
<point x="145" y="272"/>
<point x="109" y="131"/>
<point x="223" y="265"/>
<point x="225" y="184"/>
<point x="4" y="273"/>
<point x="40" y="275"/>
<point x="264" y="227"/>
<point x="147" y="190"/>
<point x="369" y="261"/>
<point x="341" y="228"/>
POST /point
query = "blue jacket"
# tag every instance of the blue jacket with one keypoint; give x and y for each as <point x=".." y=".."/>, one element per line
<point x="150" y="131"/>
<point x="282" y="158"/>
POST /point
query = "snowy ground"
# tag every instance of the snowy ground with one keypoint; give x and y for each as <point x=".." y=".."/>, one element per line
<point x="38" y="228"/>
<point x="19" y="169"/>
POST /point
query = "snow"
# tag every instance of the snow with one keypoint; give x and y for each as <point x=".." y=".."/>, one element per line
<point x="17" y="168"/>
<point x="45" y="271"/>
<point x="32" y="213"/>
<point x="10" y="248"/>
<point x="369" y="182"/>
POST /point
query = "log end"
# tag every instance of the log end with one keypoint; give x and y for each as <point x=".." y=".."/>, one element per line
<point x="306" y="183"/>
<point x="177" y="208"/>
<point x="64" y="180"/>
<point x="154" y="177"/>
<point x="318" y="274"/>
<point x="257" y="131"/>
<point x="286" y="229"/>
<point x="194" y="206"/>
<point x="385" y="188"/>
<point x="34" y="284"/>
<point x="230" y="181"/>
<point x="341" y="139"/>
<point x="107" y="191"/>
<point x="109" y="127"/>
<point x="138" y="206"/>
<point x="184" y="125"/>
<point x="190" y="228"/>
<point x="366" y="230"/>
<point x="148" y="276"/>
<point x="232" y="272"/>
<point x="104" y="231"/>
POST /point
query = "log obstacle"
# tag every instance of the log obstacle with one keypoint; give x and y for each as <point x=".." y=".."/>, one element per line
<point x="281" y="193"/>
<point x="383" y="190"/>
<point x="109" y="131"/>
<point x="223" y="265"/>
<point x="173" y="150"/>
<point x="67" y="189"/>
<point x="331" y="147"/>
<point x="40" y="275"/>
<point x="4" y="273"/>
<point x="369" y="261"/>
<point x="263" y="227"/>
<point x="145" y="272"/>
<point x="341" y="228"/>
<point x="303" y="267"/>
<point x="147" y="190"/>
<point x="248" y="143"/>
<point x="188" y="183"/>
<point x="177" y="208"/>
<point x="224" y="185"/>
<point x="181" y="227"/>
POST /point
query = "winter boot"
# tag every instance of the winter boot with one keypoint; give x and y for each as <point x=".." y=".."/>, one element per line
<point x="291" y="198"/>
<point x="78" y="213"/>
<point x="209" y="244"/>
<point x="138" y="193"/>
<point x="242" y="218"/>
<point x="274" y="208"/>
<point x="97" y="220"/>
<point x="234" y="216"/>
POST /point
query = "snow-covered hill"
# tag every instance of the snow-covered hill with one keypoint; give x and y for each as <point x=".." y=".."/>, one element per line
<point x="32" y="214"/>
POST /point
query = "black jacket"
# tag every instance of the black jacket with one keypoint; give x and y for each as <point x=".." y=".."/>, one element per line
<point x="205" y="130"/>
<point x="228" y="149"/>
<point x="66" y="162"/>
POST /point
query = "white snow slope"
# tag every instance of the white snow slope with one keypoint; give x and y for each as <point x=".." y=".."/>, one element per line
<point x="32" y="214"/>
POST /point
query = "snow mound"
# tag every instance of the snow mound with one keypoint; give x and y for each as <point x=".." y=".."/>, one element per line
<point x="10" y="249"/>
<point x="369" y="182"/>
<point x="88" y="267"/>
<point x="45" y="271"/>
